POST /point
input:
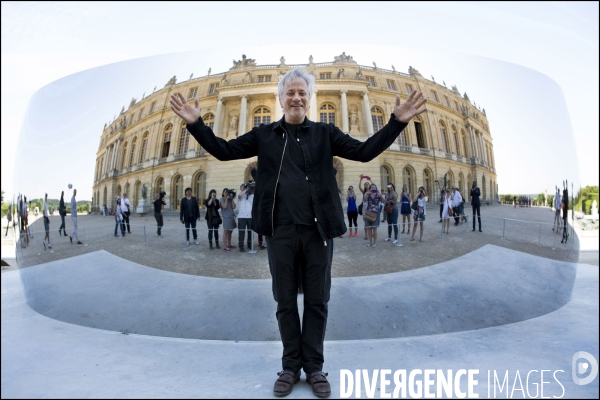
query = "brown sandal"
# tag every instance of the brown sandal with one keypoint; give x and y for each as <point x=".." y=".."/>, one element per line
<point x="285" y="383"/>
<point x="319" y="383"/>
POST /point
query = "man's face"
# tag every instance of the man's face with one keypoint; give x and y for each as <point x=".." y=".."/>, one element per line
<point x="294" y="101"/>
<point x="188" y="193"/>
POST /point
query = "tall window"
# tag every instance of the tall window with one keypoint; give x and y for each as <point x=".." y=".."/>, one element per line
<point x="262" y="115"/>
<point x="213" y="88"/>
<point x="391" y="85"/>
<point x="435" y="97"/>
<point x="177" y="191"/>
<point x="184" y="140"/>
<point x="133" y="146"/>
<point x="137" y="194"/>
<point x="124" y="156"/>
<point x="167" y="141"/>
<point x="377" y="118"/>
<point x="327" y="113"/>
<point x="384" y="172"/>
<point x="409" y="88"/>
<point x="455" y="138"/>
<point x="464" y="143"/>
<point x="325" y="75"/>
<point x="160" y="185"/>
<point x="402" y="138"/>
<point x="209" y="120"/>
<point x="264" y="78"/>
<point x="483" y="188"/>
<point x="456" y="105"/>
<point x="461" y="183"/>
<point x="427" y="183"/>
<point x="447" y="101"/>
<point x="152" y="107"/>
<point x="144" y="148"/>
<point x="443" y="137"/>
<point x="193" y="92"/>
<point x="371" y="80"/>
<point x="407" y="179"/>
<point x="450" y="179"/>
<point x="201" y="189"/>
<point x="420" y="134"/>
<point x="141" y="114"/>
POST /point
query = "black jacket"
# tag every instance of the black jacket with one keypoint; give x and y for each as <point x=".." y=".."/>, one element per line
<point x="183" y="209"/>
<point x="209" y="208"/>
<point x="475" y="193"/>
<point x="319" y="143"/>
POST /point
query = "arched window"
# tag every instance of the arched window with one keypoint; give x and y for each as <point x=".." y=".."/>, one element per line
<point x="455" y="138"/>
<point x="126" y="191"/>
<point x="402" y="138"/>
<point x="427" y="183"/>
<point x="132" y="154"/>
<point x="327" y="113"/>
<point x="421" y="142"/>
<point x="104" y="197"/>
<point x="124" y="156"/>
<point x="385" y="172"/>
<point x="201" y="189"/>
<point x="177" y="192"/>
<point x="262" y="115"/>
<point x="464" y="143"/>
<point x="167" y="141"/>
<point x="184" y="140"/>
<point x="483" y="188"/>
<point x="377" y="118"/>
<point x="461" y="184"/>
<point x="137" y="194"/>
<point x="469" y="184"/>
<point x="407" y="179"/>
<point x="144" y="148"/>
<point x="160" y="185"/>
<point x="209" y="120"/>
<point x="443" y="137"/>
<point x="450" y="180"/>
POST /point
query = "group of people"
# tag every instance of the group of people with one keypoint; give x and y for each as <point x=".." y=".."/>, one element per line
<point x="122" y="212"/>
<point x="522" y="201"/>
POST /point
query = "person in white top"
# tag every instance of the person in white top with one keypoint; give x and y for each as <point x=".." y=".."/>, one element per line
<point x="419" y="215"/>
<point x="46" y="221"/>
<point x="446" y="212"/>
<point x="119" y="218"/>
<point x="74" y="218"/>
<point x="557" y="203"/>
<point x="245" y="197"/>
<point x="456" y="203"/>
<point x="126" y="209"/>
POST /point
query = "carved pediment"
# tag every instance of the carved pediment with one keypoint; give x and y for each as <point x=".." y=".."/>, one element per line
<point x="243" y="63"/>
<point x="344" y="59"/>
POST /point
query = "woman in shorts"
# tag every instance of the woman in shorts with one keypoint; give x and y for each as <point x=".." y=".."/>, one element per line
<point x="405" y="200"/>
<point x="419" y="214"/>
<point x="372" y="202"/>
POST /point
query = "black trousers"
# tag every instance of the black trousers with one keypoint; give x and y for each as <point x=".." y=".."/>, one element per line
<point x="126" y="220"/>
<point x="478" y="211"/>
<point x="290" y="249"/>
<point x="188" y="222"/>
<point x="243" y="225"/>
<point x="159" y="222"/>
<point x="212" y="229"/>
<point x="441" y="210"/>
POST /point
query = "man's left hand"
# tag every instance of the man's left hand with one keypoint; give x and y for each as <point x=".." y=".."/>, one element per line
<point x="410" y="108"/>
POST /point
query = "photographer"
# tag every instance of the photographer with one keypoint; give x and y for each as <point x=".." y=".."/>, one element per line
<point x="189" y="213"/>
<point x="419" y="215"/>
<point x="476" y="203"/>
<point x="213" y="219"/>
<point x="126" y="209"/>
<point x="227" y="206"/>
<point x="246" y="197"/>
<point x="158" y="203"/>
<point x="457" y="201"/>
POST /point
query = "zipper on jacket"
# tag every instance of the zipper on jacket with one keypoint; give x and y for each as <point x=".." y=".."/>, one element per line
<point x="277" y="183"/>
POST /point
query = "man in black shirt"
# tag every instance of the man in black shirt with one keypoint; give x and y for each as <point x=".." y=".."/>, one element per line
<point x="158" y="203"/>
<point x="475" y="202"/>
<point x="297" y="207"/>
<point x="188" y="214"/>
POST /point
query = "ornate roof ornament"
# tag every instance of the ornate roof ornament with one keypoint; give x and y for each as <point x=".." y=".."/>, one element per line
<point x="455" y="90"/>
<point x="243" y="63"/>
<point x="171" y="81"/>
<point x="466" y="97"/>
<point x="343" y="59"/>
<point x="132" y="102"/>
<point x="413" y="71"/>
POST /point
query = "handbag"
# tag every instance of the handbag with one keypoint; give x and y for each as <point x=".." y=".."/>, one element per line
<point x="389" y="207"/>
<point x="450" y="212"/>
<point x="360" y="208"/>
<point x="370" y="216"/>
<point x="415" y="205"/>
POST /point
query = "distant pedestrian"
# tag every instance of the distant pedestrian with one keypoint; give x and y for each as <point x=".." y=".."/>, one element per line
<point x="391" y="204"/>
<point x="46" y="216"/>
<point x="213" y="219"/>
<point x="557" y="208"/>
<point x="74" y="218"/>
<point x="189" y="213"/>
<point x="446" y="212"/>
<point x="126" y="207"/>
<point x="245" y="200"/>
<point x="456" y="204"/>
<point x="419" y="215"/>
<point x="62" y="211"/>
<point x="352" y="211"/>
<point x="227" y="206"/>
<point x="372" y="210"/>
<point x="119" y="218"/>
<point x="363" y="190"/>
<point x="476" y="204"/>
<point x="158" y="203"/>
<point x="405" y="200"/>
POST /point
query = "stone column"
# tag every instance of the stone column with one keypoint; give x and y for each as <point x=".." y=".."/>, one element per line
<point x="344" y="111"/>
<point x="218" y="117"/>
<point x="243" y="112"/>
<point x="278" y="109"/>
<point x="105" y="161"/>
<point x="115" y="155"/>
<point x="472" y="140"/>
<point x="367" y="114"/>
<point x="314" y="112"/>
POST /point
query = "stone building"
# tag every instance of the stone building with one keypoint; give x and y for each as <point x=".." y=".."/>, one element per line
<point x="147" y="148"/>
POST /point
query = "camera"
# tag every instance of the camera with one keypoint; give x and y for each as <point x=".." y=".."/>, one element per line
<point x="231" y="193"/>
<point x="162" y="193"/>
<point x="250" y="187"/>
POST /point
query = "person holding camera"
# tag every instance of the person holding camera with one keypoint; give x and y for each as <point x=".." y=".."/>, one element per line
<point x="352" y="211"/>
<point x="189" y="213"/>
<point x="391" y="209"/>
<point x="456" y="203"/>
<point x="227" y="204"/>
<point x="62" y="211"/>
<point x="363" y="190"/>
<point x="213" y="219"/>
<point x="446" y="212"/>
<point x="406" y="199"/>
<point x="119" y="218"/>
<point x="371" y="213"/>
<point x="476" y="203"/>
<point x="246" y="197"/>
<point x="46" y="221"/>
<point x="158" y="203"/>
<point x="419" y="215"/>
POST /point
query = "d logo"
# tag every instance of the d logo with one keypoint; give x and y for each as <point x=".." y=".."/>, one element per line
<point x="582" y="367"/>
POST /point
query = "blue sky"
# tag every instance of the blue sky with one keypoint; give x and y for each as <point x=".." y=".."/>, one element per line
<point x="543" y="92"/>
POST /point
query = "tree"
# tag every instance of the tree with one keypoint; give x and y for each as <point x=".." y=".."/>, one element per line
<point x="585" y="198"/>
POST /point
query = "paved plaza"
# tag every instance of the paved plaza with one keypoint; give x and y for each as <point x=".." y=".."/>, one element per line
<point x="95" y="321"/>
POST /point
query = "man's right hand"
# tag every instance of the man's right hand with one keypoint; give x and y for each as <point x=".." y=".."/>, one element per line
<point x="184" y="110"/>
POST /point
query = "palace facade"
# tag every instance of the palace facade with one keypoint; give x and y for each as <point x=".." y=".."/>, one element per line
<point x="147" y="148"/>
